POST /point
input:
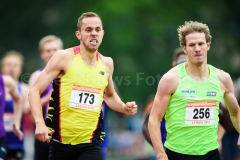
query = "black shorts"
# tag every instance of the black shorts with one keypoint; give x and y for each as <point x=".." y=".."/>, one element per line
<point x="211" y="155"/>
<point x="41" y="150"/>
<point x="3" y="148"/>
<point x="15" y="153"/>
<point x="87" y="151"/>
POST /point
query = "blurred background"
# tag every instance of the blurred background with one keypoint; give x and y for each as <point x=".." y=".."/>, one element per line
<point x="140" y="36"/>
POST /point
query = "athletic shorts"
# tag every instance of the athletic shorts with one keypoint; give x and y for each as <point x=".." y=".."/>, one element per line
<point x="17" y="154"/>
<point x="41" y="150"/>
<point x="3" y="148"/>
<point x="87" y="151"/>
<point x="211" y="155"/>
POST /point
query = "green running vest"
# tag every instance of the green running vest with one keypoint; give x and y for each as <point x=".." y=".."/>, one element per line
<point x="192" y="114"/>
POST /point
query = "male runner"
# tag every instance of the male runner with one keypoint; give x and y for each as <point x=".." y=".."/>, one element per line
<point x="48" y="46"/>
<point x="225" y="123"/>
<point x="8" y="86"/>
<point x="189" y="96"/>
<point x="11" y="64"/>
<point x="82" y="78"/>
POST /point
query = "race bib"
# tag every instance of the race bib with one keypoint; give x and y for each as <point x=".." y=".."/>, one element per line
<point x="8" y="121"/>
<point x="200" y="113"/>
<point x="83" y="97"/>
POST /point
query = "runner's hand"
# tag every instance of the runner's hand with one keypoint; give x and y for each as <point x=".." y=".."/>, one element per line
<point x="130" y="108"/>
<point x="42" y="132"/>
<point x="17" y="131"/>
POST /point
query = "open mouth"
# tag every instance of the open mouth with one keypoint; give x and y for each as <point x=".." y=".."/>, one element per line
<point x="94" y="41"/>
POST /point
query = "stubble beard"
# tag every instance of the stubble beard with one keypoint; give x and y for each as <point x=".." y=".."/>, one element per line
<point x="89" y="49"/>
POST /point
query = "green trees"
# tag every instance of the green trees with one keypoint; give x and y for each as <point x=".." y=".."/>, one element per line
<point x="139" y="35"/>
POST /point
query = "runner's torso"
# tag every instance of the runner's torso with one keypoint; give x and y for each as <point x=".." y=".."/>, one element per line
<point x="192" y="114"/>
<point x="75" y="105"/>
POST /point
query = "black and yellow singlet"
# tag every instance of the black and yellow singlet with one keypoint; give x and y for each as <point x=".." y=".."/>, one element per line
<point x="75" y="104"/>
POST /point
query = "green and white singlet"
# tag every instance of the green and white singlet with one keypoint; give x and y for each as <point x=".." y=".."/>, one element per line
<point x="192" y="114"/>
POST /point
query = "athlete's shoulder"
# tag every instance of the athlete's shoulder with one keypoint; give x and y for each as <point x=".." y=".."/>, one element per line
<point x="106" y="60"/>
<point x="61" y="58"/>
<point x="65" y="53"/>
<point x="223" y="76"/>
<point x="169" y="81"/>
<point x="172" y="74"/>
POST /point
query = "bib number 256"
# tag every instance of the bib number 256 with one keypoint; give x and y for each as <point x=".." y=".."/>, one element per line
<point x="201" y="113"/>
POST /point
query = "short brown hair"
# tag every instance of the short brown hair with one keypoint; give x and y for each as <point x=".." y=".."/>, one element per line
<point x="49" y="38"/>
<point x="191" y="27"/>
<point x="13" y="53"/>
<point x="86" y="15"/>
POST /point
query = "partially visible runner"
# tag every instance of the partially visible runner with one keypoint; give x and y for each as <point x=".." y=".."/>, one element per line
<point x="189" y="96"/>
<point x="105" y="110"/>
<point x="11" y="64"/>
<point x="48" y="46"/>
<point x="8" y="86"/>
<point x="178" y="57"/>
<point x="82" y="78"/>
<point x="229" y="149"/>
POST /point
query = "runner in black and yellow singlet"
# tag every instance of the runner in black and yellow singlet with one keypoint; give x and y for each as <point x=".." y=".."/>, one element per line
<point x="78" y="93"/>
<point x="81" y="78"/>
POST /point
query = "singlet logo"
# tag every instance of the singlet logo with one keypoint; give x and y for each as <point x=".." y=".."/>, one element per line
<point x="211" y="93"/>
<point x="188" y="91"/>
<point x="102" y="72"/>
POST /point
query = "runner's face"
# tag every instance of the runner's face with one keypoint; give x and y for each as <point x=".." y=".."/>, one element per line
<point x="12" y="65"/>
<point x="49" y="49"/>
<point x="91" y="33"/>
<point x="196" y="48"/>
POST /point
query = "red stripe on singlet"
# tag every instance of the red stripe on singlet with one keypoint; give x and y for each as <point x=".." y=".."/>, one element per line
<point x="76" y="50"/>
<point x="99" y="55"/>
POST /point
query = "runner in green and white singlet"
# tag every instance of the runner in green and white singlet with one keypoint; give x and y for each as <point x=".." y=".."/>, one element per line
<point x="189" y="96"/>
<point x="191" y="108"/>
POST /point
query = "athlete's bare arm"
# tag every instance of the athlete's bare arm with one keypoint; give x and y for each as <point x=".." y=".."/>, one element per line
<point x="44" y="99"/>
<point x="230" y="99"/>
<point x="166" y="87"/>
<point x="11" y="88"/>
<point x="56" y="67"/>
<point x="111" y="97"/>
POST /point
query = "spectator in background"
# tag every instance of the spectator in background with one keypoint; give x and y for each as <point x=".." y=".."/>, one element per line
<point x="9" y="86"/>
<point x="11" y="64"/>
<point x="48" y="46"/>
